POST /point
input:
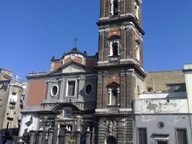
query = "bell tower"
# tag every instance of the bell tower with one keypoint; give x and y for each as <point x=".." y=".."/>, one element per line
<point x="120" y="69"/>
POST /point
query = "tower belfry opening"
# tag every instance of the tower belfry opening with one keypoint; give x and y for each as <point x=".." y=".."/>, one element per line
<point x="115" y="9"/>
<point x="115" y="49"/>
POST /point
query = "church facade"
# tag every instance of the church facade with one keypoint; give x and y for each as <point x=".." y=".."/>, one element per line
<point x="106" y="98"/>
<point x="63" y="99"/>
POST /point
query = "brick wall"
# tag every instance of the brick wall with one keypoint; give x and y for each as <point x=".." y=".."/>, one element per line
<point x="35" y="92"/>
<point x="158" y="80"/>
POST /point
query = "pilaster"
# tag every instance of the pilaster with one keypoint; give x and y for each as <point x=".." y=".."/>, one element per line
<point x="101" y="131"/>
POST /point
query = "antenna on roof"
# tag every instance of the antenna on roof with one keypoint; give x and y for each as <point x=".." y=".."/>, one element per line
<point x="16" y="77"/>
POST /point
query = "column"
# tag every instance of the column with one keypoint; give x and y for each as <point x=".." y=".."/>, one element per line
<point x="78" y="137"/>
<point x="67" y="137"/>
<point x="32" y="135"/>
<point x="88" y="136"/>
<point x="50" y="137"/>
<point x="78" y="125"/>
<point x="40" y="136"/>
<point x="56" y="132"/>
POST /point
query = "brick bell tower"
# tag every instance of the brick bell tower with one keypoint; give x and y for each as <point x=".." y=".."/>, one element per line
<point x="120" y="70"/>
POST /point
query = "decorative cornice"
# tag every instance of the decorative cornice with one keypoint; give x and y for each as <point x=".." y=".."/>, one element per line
<point x="127" y="18"/>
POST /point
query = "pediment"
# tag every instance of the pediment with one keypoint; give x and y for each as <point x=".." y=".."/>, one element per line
<point x="113" y="85"/>
<point x="73" y="69"/>
<point x="61" y="106"/>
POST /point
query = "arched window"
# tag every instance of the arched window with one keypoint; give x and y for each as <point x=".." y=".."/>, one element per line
<point x="137" y="52"/>
<point x="113" y="93"/>
<point x="115" y="7"/>
<point x="115" y="49"/>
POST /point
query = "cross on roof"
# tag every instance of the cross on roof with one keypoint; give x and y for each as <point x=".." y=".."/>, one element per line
<point x="76" y="41"/>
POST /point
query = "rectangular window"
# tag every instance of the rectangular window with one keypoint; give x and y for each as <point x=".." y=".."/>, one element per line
<point x="71" y="88"/>
<point x="178" y="87"/>
<point x="114" y="7"/>
<point x="14" y="93"/>
<point x="137" y="52"/>
<point x="142" y="133"/>
<point x="162" y="142"/>
<point x="67" y="113"/>
<point x="149" y="89"/>
<point x="114" y="49"/>
<point x="181" y="136"/>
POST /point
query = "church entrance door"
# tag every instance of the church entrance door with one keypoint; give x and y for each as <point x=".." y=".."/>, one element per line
<point x="111" y="140"/>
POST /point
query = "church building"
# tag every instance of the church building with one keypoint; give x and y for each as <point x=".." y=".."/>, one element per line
<point x="102" y="99"/>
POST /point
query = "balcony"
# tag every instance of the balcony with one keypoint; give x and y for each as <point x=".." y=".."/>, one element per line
<point x="12" y="101"/>
<point x="113" y="106"/>
<point x="12" y="106"/>
<point x="21" y="104"/>
<point x="19" y="118"/>
<point x="114" y="59"/>
<point x="10" y="116"/>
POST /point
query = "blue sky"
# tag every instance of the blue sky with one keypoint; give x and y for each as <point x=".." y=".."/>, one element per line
<point x="32" y="31"/>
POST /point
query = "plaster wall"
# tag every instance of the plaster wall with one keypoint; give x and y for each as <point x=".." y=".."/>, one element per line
<point x="32" y="124"/>
<point x="158" y="106"/>
<point x="188" y="79"/>
<point x="12" y="110"/>
<point x="3" y="105"/>
<point x="163" y="95"/>
<point x="171" y="124"/>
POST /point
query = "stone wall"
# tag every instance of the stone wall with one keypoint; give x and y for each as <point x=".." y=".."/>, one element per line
<point x="158" y="80"/>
